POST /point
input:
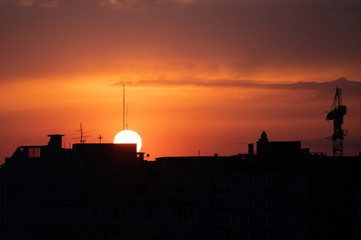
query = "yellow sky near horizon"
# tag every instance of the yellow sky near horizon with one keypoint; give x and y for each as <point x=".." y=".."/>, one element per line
<point x="177" y="120"/>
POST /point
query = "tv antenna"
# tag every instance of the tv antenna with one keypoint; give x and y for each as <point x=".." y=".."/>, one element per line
<point x="83" y="134"/>
<point x="82" y="140"/>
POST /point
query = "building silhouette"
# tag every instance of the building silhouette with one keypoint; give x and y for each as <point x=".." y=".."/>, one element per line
<point x="108" y="191"/>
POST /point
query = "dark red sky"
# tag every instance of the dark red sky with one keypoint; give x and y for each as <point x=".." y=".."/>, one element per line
<point x="60" y="61"/>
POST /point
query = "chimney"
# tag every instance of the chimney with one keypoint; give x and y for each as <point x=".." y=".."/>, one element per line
<point x="55" y="142"/>
<point x="250" y="149"/>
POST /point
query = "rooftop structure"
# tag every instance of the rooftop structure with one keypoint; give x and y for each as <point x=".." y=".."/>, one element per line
<point x="265" y="147"/>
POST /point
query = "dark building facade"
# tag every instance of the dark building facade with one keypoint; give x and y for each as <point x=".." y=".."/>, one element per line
<point x="108" y="191"/>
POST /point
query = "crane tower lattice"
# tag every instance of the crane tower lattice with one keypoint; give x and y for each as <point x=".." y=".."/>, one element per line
<point x="336" y="114"/>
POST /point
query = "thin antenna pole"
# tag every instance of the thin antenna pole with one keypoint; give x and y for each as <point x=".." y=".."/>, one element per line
<point x="81" y="134"/>
<point x="126" y="119"/>
<point x="123" y="106"/>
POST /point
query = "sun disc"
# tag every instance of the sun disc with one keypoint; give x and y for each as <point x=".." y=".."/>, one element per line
<point x="128" y="136"/>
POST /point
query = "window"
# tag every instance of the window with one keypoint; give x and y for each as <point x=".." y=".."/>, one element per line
<point x="33" y="152"/>
<point x="85" y="215"/>
<point x="181" y="191"/>
<point x="222" y="202"/>
<point x="221" y="182"/>
<point x="298" y="181"/>
<point x="275" y="220"/>
<point x="240" y="220"/>
<point x="258" y="201"/>
<point x="56" y="191"/>
<point x="298" y="201"/>
<point x="140" y="190"/>
<point x="223" y="220"/>
<point x="298" y="219"/>
<point x="298" y="235"/>
<point x="182" y="214"/>
<point x="137" y="215"/>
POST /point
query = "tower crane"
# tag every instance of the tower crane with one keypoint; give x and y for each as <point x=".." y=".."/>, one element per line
<point x="336" y="114"/>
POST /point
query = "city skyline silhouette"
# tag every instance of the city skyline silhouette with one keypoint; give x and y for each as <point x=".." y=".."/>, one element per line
<point x="277" y="190"/>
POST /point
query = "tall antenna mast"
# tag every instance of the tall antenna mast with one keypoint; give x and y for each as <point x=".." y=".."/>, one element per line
<point x="126" y="118"/>
<point x="123" y="106"/>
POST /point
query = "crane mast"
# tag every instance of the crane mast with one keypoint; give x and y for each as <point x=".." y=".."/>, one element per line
<point x="336" y="114"/>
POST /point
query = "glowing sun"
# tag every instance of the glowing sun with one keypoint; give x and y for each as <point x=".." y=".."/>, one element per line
<point x="127" y="136"/>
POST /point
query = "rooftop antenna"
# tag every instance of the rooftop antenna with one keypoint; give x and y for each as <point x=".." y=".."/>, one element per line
<point x="336" y="114"/>
<point x="83" y="134"/>
<point x="82" y="140"/>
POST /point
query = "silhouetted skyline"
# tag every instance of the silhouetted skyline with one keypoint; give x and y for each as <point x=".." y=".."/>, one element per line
<point x="278" y="190"/>
<point x="202" y="75"/>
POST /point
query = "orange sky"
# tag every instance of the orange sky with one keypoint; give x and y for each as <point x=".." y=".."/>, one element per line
<point x="193" y="70"/>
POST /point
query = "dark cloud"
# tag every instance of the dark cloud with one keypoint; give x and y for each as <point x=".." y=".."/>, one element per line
<point x="248" y="37"/>
<point x="30" y="3"/>
<point x="351" y="87"/>
<point x="125" y="4"/>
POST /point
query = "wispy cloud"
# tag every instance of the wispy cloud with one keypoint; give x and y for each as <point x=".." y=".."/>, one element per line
<point x="48" y="3"/>
<point x="131" y="4"/>
<point x="118" y="4"/>
<point x="30" y="3"/>
<point x="352" y="87"/>
<point x="25" y="3"/>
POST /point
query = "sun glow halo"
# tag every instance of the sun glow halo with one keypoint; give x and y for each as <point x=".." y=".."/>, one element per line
<point x="128" y="136"/>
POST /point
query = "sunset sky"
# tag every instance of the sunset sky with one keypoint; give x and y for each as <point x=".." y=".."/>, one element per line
<point x="200" y="75"/>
